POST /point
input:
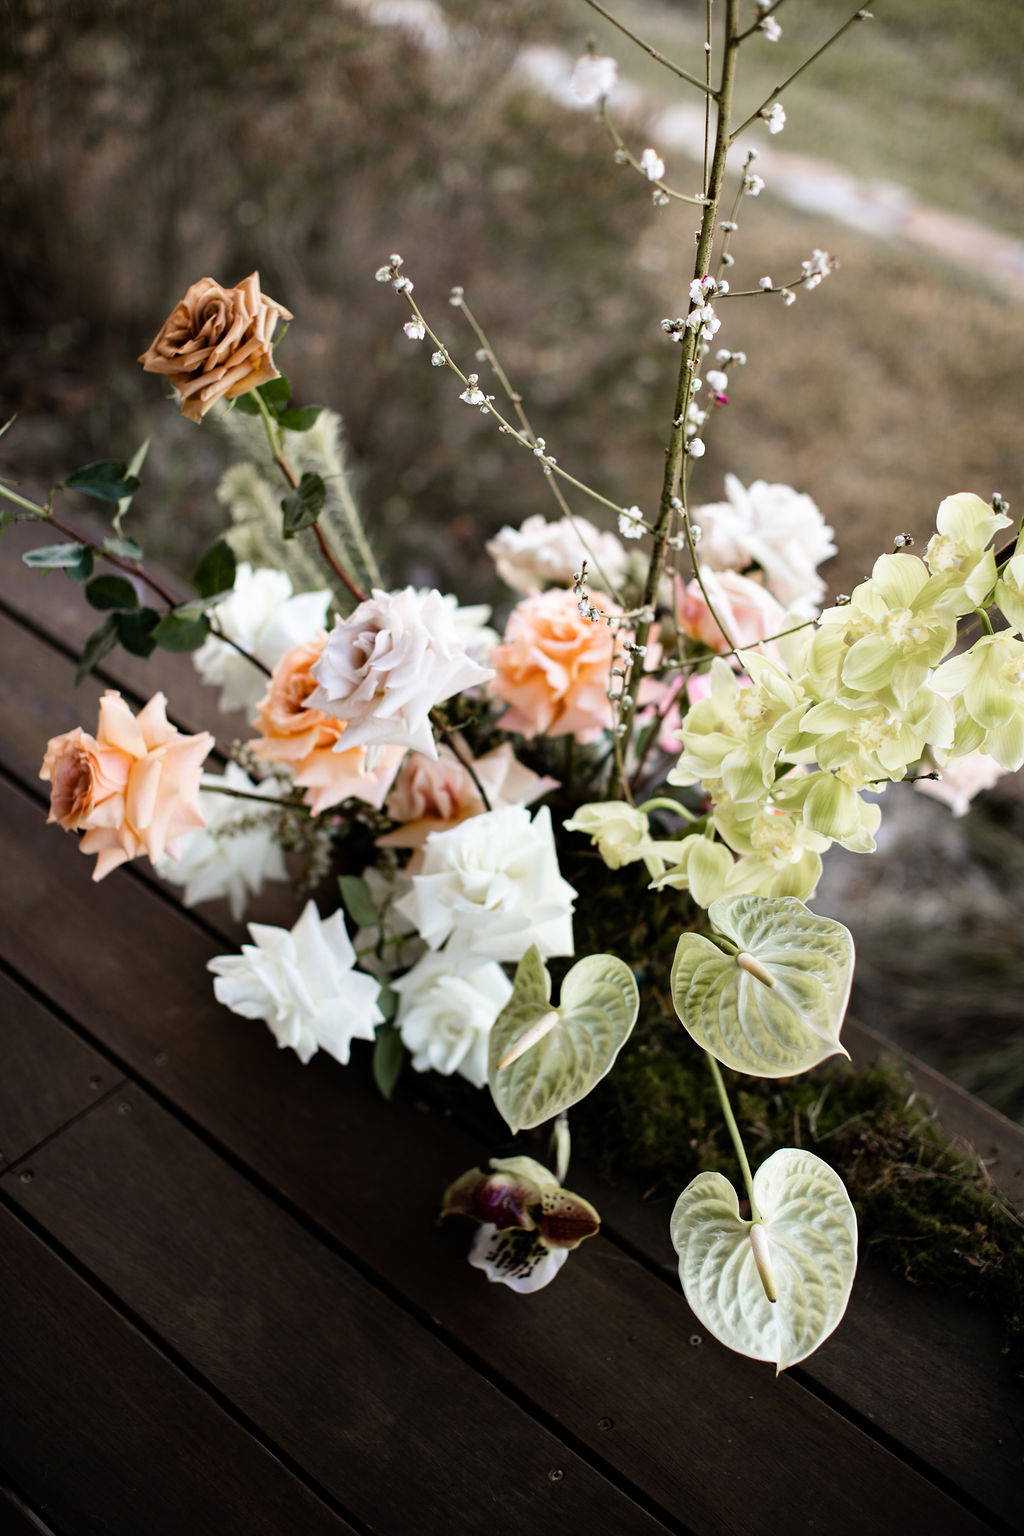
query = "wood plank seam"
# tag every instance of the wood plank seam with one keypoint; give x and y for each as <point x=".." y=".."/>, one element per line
<point x="58" y="1130"/>
<point x="548" y="1421"/>
<point x="24" y="1507"/>
<point x="181" y="1363"/>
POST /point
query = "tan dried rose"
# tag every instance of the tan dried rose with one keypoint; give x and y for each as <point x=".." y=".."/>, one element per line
<point x="216" y="343"/>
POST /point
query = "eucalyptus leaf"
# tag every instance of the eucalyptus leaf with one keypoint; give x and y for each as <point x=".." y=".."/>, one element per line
<point x="125" y="549"/>
<point x="275" y="394"/>
<point x="302" y="507"/>
<point x="573" y="1045"/>
<point x="806" y="1247"/>
<point x="773" y="1006"/>
<point x="105" y="592"/>
<point x="388" y="1056"/>
<point x="135" y="631"/>
<point x="215" y="573"/>
<point x="50" y="557"/>
<point x="106" y="480"/>
<point x="358" y="902"/>
<point x="99" y="643"/>
<point x="300" y="418"/>
<point x="134" y="471"/>
<point x="181" y="632"/>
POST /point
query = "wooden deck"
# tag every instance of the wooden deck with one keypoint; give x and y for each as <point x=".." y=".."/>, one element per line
<point x="225" y="1307"/>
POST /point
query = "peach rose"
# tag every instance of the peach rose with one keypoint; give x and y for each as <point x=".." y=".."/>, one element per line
<point x="306" y="740"/>
<point x="431" y="795"/>
<point x="132" y="788"/>
<point x="216" y="343"/>
<point x="554" y="667"/>
<point x="748" y="611"/>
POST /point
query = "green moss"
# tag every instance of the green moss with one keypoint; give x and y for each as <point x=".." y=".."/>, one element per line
<point x="925" y="1206"/>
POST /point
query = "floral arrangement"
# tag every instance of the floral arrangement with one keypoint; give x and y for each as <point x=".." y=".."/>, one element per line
<point x="671" y="696"/>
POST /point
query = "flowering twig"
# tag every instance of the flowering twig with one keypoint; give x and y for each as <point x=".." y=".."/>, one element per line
<point x="676" y="69"/>
<point x="516" y="401"/>
<point x="762" y="15"/>
<point x="774" y="95"/>
<point x="624" y="155"/>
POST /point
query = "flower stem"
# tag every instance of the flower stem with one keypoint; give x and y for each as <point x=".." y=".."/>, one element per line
<point x="774" y="96"/>
<point x="734" y="1132"/>
<point x="676" y="69"/>
<point x="245" y="794"/>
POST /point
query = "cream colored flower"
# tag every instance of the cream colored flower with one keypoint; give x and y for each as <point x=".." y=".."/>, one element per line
<point x="445" y="1013"/>
<point x="264" y="617"/>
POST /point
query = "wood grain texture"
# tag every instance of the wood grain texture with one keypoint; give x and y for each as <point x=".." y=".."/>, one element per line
<point x="610" y="1343"/>
<point x="107" y="1437"/>
<point x="16" y="1519"/>
<point x="381" y="1414"/>
<point x="48" y="1075"/>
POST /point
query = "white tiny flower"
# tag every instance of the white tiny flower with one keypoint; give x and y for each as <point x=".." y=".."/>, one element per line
<point x="387" y="664"/>
<point x="445" y="1014"/>
<point x="438" y="359"/>
<point x="771" y="29"/>
<point x="402" y="285"/>
<point x="717" y="380"/>
<point x="765" y="283"/>
<point x="415" y="329"/>
<point x="593" y="76"/>
<point x="775" y="117"/>
<point x="490" y="887"/>
<point x="543" y="554"/>
<point x="456" y="296"/>
<point x="788" y="296"/>
<point x="652" y="165"/>
<point x="631" y="523"/>
<point x="473" y="394"/>
<point x="216" y="862"/>
<point x="753" y="185"/>
<point x="264" y="617"/>
<point x="660" y="199"/>
<point x="384" y="274"/>
<point x="302" y="982"/>
<point x="696" y="448"/>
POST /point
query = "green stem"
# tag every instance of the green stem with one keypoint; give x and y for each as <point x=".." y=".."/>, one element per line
<point x="663" y="803"/>
<point x="986" y="622"/>
<point x="734" y="1132"/>
<point x="245" y="794"/>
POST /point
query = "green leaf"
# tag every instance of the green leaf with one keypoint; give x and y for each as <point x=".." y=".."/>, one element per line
<point x="8" y="424"/>
<point x="135" y="631"/>
<point x="96" y="647"/>
<point x="387" y="1001"/>
<point x="275" y="394"/>
<point x="124" y="549"/>
<point x="303" y="506"/>
<point x="808" y="1254"/>
<point x="300" y="418"/>
<point x="83" y="570"/>
<point x="107" y="480"/>
<point x="774" y="1027"/>
<point x="52" y="557"/>
<point x="388" y="1056"/>
<point x="215" y="573"/>
<point x="134" y="471"/>
<point x="178" y="631"/>
<point x="359" y="904"/>
<point x="576" y="1043"/>
<point x="111" y="592"/>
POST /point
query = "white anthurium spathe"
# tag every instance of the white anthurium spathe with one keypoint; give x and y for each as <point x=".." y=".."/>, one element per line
<point x="446" y="1010"/>
<point x="264" y="617"/>
<point x="387" y="665"/>
<point x="543" y="1059"/>
<point x="220" y="860"/>
<point x="801" y="1251"/>
<point x="490" y="887"/>
<point x="769" y="998"/>
<point x="303" y="982"/>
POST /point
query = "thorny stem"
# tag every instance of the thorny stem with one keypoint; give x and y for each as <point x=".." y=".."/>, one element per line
<point x="734" y="1132"/>
<point x="626" y="154"/>
<point x="516" y="401"/>
<point x="774" y="96"/>
<point x="277" y="451"/>
<point x="648" y="49"/>
<point x="674" y="457"/>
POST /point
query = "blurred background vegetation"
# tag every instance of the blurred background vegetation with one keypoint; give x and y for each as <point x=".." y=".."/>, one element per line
<point x="150" y="145"/>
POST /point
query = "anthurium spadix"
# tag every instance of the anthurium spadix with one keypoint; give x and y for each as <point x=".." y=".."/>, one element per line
<point x="544" y="1058"/>
<point x="767" y="996"/>
<point x="773" y="1288"/>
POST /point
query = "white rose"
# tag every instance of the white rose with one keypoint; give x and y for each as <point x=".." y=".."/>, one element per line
<point x="779" y="529"/>
<point x="385" y="667"/>
<point x="302" y="982"/>
<point x="263" y="616"/>
<point x="491" y="887"/>
<point x="471" y="625"/>
<point x="216" y="861"/>
<point x="542" y="554"/>
<point x="445" y="1013"/>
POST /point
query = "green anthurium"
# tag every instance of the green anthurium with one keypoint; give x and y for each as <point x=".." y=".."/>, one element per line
<point x="775" y="1288"/>
<point x="769" y="997"/>
<point x="543" y="1058"/>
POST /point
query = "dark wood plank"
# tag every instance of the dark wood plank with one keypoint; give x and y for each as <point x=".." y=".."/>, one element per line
<point x="48" y="1075"/>
<point x="105" y="1435"/>
<point x="16" y="1519"/>
<point x="377" y="1410"/>
<point x="608" y="1344"/>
